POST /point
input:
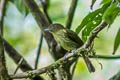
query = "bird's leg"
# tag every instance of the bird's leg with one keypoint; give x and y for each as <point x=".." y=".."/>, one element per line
<point x="70" y="51"/>
<point x="73" y="51"/>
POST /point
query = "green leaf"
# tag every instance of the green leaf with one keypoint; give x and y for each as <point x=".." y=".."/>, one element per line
<point x="117" y="41"/>
<point x="90" y="17"/>
<point x="91" y="21"/>
<point x="20" y="5"/>
<point x="111" y="13"/>
<point x="106" y="1"/>
<point x="93" y="2"/>
<point x="87" y="19"/>
<point x="90" y="26"/>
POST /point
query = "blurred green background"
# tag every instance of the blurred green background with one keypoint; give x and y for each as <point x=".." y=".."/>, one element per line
<point x="23" y="33"/>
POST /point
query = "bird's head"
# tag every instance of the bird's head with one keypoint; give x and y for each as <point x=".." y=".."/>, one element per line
<point x="53" y="28"/>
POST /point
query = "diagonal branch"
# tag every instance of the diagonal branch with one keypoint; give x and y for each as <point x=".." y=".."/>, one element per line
<point x="71" y="13"/>
<point x="16" y="56"/>
<point x="57" y="64"/>
<point x="40" y="18"/>
<point x="45" y="6"/>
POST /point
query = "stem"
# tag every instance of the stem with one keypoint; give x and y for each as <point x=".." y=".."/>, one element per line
<point x="39" y="51"/>
<point x="71" y="13"/>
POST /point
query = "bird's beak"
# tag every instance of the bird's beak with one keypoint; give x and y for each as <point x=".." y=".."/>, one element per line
<point x="47" y="29"/>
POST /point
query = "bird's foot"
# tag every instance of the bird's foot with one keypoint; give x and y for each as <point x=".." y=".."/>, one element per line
<point x="74" y="51"/>
<point x="70" y="52"/>
<point x="65" y="56"/>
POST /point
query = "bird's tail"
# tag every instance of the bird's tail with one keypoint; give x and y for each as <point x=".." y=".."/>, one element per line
<point x="89" y="64"/>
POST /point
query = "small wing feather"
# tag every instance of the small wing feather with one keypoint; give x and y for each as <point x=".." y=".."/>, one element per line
<point x="74" y="37"/>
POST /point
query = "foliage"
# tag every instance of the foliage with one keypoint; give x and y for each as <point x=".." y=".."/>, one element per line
<point x="91" y="21"/>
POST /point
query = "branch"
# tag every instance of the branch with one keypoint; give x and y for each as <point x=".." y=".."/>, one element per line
<point x="40" y="18"/>
<point x="45" y="5"/>
<point x="44" y="70"/>
<point x="59" y="63"/>
<point x="71" y="13"/>
<point x="3" y="70"/>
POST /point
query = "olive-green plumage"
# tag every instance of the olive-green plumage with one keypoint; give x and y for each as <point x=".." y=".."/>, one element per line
<point x="68" y="39"/>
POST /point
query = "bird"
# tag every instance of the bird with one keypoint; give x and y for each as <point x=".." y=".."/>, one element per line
<point x="69" y="40"/>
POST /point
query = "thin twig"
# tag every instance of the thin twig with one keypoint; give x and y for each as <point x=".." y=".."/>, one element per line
<point x="20" y="62"/>
<point x="45" y="6"/>
<point x="71" y="13"/>
<point x="107" y="57"/>
<point x="39" y="51"/>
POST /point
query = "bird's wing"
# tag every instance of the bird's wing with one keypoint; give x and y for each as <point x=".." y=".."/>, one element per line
<point x="73" y="36"/>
